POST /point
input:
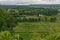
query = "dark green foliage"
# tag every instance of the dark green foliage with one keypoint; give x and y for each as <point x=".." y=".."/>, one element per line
<point x="3" y="17"/>
<point x="53" y="19"/>
<point x="35" y="19"/>
<point x="39" y="19"/>
<point x="33" y="11"/>
<point x="46" y="19"/>
<point x="6" y="20"/>
<point x="49" y="12"/>
<point x="31" y="19"/>
<point x="24" y="19"/>
<point x="11" y="22"/>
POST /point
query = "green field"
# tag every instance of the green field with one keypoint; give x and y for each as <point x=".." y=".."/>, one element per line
<point x="31" y="30"/>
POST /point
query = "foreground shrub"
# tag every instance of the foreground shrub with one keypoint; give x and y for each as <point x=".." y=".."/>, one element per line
<point x="6" y="35"/>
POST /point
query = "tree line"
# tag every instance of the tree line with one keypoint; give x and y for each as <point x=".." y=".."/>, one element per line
<point x="35" y="11"/>
<point x="38" y="19"/>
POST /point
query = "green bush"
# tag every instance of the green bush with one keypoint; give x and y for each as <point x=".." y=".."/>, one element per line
<point x="53" y="19"/>
<point x="6" y="35"/>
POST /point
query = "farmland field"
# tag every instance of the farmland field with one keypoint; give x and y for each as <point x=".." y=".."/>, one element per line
<point x="37" y="29"/>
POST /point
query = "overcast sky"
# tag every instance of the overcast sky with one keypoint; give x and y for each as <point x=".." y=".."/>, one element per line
<point x="19" y="2"/>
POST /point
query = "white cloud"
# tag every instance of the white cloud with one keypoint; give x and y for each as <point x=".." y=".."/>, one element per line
<point x="29" y="1"/>
<point x="7" y="0"/>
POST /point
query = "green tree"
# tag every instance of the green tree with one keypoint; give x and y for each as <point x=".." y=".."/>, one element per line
<point x="11" y="22"/>
<point x="6" y="20"/>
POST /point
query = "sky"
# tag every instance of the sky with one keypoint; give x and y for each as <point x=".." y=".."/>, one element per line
<point x="27" y="2"/>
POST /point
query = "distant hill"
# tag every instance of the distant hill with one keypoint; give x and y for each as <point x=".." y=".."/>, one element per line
<point x="46" y="5"/>
<point x="33" y="6"/>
